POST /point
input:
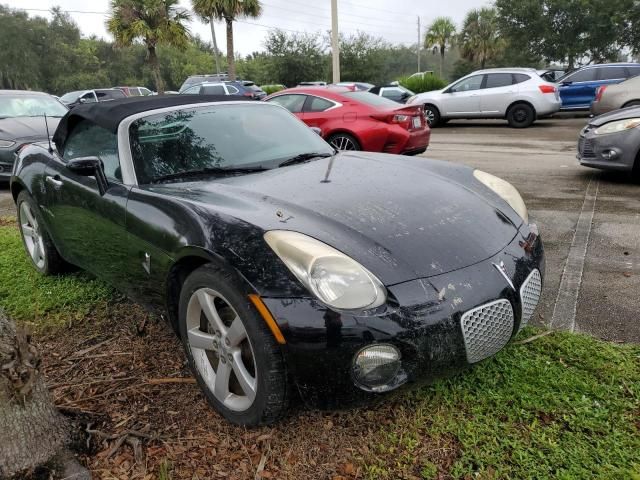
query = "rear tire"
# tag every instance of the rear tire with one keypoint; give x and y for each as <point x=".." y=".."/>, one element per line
<point x="36" y="240"/>
<point x="432" y="115"/>
<point x="232" y="353"/>
<point x="521" y="115"/>
<point x="344" y="142"/>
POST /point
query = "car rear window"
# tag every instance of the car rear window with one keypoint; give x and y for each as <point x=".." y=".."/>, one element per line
<point x="520" y="77"/>
<point x="612" y="73"/>
<point x="495" y="80"/>
<point x="587" y="75"/>
<point x="371" y="99"/>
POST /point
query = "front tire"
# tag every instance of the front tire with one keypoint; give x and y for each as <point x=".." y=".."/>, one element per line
<point x="521" y="115"/>
<point x="36" y="240"/>
<point x="231" y="351"/>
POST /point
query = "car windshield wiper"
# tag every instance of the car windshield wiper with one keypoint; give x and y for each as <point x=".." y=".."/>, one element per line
<point x="304" y="157"/>
<point x="215" y="171"/>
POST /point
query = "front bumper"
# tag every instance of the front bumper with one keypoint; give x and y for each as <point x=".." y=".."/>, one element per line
<point x="616" y="151"/>
<point x="7" y="159"/>
<point x="425" y="320"/>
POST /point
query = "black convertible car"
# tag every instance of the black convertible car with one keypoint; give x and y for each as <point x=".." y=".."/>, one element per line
<point x="282" y="263"/>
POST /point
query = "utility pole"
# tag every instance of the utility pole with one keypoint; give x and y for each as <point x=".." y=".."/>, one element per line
<point x="335" y="45"/>
<point x="419" y="42"/>
<point x="215" y="47"/>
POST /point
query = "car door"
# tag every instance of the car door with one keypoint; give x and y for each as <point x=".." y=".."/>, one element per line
<point x="577" y="90"/>
<point x="497" y="93"/>
<point x="88" y="227"/>
<point x="294" y="102"/>
<point x="462" y="98"/>
<point x="317" y="111"/>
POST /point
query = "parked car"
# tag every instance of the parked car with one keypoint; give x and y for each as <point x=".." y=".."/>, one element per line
<point x="612" y="141"/>
<point x="578" y="88"/>
<point x="517" y="94"/>
<point x="220" y="88"/>
<point x="73" y="99"/>
<point x="22" y="121"/>
<point x="352" y="120"/>
<point x="551" y="75"/>
<point x="258" y="93"/>
<point x="312" y="84"/>
<point x="421" y="74"/>
<point x="620" y="95"/>
<point x="397" y="93"/>
<point x="360" y="86"/>
<point x="136" y="91"/>
<point x="197" y="79"/>
<point x="284" y="265"/>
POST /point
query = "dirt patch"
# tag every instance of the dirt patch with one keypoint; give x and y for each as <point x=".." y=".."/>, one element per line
<point x="8" y="221"/>
<point x="122" y="374"/>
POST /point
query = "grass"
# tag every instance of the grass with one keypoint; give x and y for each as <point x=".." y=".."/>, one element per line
<point x="424" y="83"/>
<point x="564" y="406"/>
<point x="39" y="301"/>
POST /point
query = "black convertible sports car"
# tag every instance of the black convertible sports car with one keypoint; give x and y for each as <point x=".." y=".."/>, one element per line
<point x="281" y="262"/>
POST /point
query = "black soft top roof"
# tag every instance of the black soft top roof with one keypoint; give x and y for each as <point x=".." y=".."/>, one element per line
<point x="109" y="114"/>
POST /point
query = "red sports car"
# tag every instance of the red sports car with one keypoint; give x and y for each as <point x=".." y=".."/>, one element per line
<point x="352" y="120"/>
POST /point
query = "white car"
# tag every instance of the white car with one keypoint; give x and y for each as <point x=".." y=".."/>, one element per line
<point x="517" y="94"/>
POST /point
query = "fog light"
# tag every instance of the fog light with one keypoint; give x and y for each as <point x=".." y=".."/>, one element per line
<point x="376" y="367"/>
<point x="609" y="154"/>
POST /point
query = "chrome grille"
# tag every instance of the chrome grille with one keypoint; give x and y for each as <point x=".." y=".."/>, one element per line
<point x="530" y="295"/>
<point x="486" y="329"/>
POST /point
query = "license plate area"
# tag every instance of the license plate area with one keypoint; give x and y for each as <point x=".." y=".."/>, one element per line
<point x="416" y="122"/>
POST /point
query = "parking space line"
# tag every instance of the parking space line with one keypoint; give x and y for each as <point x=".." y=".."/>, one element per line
<point x="564" y="310"/>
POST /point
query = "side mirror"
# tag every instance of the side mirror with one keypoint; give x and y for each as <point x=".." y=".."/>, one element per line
<point x="83" y="100"/>
<point x="90" y="167"/>
<point x="317" y="130"/>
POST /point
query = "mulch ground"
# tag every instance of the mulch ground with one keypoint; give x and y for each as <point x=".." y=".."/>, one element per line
<point x="125" y="386"/>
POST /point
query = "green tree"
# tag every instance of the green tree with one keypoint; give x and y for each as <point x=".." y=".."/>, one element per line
<point x="362" y="58"/>
<point x="229" y="11"/>
<point x="154" y="22"/>
<point x="296" y="57"/>
<point x="441" y="34"/>
<point x="480" y="41"/>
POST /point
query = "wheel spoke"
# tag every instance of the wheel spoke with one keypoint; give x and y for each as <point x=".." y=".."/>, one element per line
<point x="236" y="332"/>
<point x="246" y="381"/>
<point x="221" y="386"/>
<point x="199" y="339"/>
<point x="29" y="215"/>
<point x="208" y="307"/>
<point x="28" y="231"/>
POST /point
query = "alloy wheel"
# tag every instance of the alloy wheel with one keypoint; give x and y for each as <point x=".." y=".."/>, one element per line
<point x="32" y="236"/>
<point x="221" y="349"/>
<point x="520" y="115"/>
<point x="343" y="143"/>
<point x="429" y="116"/>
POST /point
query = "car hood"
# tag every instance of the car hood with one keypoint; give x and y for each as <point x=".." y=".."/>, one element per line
<point x="400" y="217"/>
<point x="26" y="128"/>
<point x="622" y="114"/>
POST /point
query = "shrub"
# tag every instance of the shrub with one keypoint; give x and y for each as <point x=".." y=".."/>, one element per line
<point x="269" y="89"/>
<point x="423" y="83"/>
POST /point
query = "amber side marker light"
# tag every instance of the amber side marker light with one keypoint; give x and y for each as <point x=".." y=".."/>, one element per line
<point x="268" y="318"/>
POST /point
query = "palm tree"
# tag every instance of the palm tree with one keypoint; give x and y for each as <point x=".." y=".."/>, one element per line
<point x="206" y="11"/>
<point x="440" y="34"/>
<point x="155" y="22"/>
<point x="229" y="11"/>
<point x="480" y="39"/>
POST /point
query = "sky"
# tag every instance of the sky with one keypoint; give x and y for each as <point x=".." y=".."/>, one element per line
<point x="394" y="20"/>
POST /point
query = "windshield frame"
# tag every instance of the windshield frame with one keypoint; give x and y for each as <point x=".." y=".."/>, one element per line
<point x="125" y="153"/>
<point x="38" y="96"/>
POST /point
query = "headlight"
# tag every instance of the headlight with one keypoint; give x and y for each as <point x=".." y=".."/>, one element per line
<point x="507" y="191"/>
<point x="330" y="275"/>
<point x="617" y="126"/>
<point x="6" y="143"/>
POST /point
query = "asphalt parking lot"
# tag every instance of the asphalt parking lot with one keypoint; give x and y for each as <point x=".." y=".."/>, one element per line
<point x="600" y="284"/>
<point x="601" y="298"/>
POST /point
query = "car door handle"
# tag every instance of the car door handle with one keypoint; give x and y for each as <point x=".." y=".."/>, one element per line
<point x="55" y="181"/>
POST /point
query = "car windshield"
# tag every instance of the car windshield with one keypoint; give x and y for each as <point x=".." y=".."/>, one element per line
<point x="71" y="96"/>
<point x="212" y="137"/>
<point x="30" y="106"/>
<point x="371" y="99"/>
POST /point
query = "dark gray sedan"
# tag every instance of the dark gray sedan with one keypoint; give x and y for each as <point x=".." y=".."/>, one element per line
<point x="22" y="121"/>
<point x="612" y="141"/>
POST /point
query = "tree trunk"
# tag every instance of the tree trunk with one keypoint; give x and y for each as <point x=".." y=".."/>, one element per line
<point x="231" y="61"/>
<point x="441" y="59"/>
<point x="32" y="432"/>
<point x="215" y="46"/>
<point x="155" y="68"/>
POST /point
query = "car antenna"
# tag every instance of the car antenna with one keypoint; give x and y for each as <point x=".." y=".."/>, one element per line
<point x="46" y="126"/>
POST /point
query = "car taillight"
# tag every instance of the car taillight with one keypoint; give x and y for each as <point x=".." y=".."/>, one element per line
<point x="599" y="92"/>
<point x="547" y="88"/>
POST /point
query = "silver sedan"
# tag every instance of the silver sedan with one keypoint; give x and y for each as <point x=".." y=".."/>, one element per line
<point x="518" y="95"/>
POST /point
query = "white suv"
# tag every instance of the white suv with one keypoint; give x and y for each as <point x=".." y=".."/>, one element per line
<point x="516" y="94"/>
